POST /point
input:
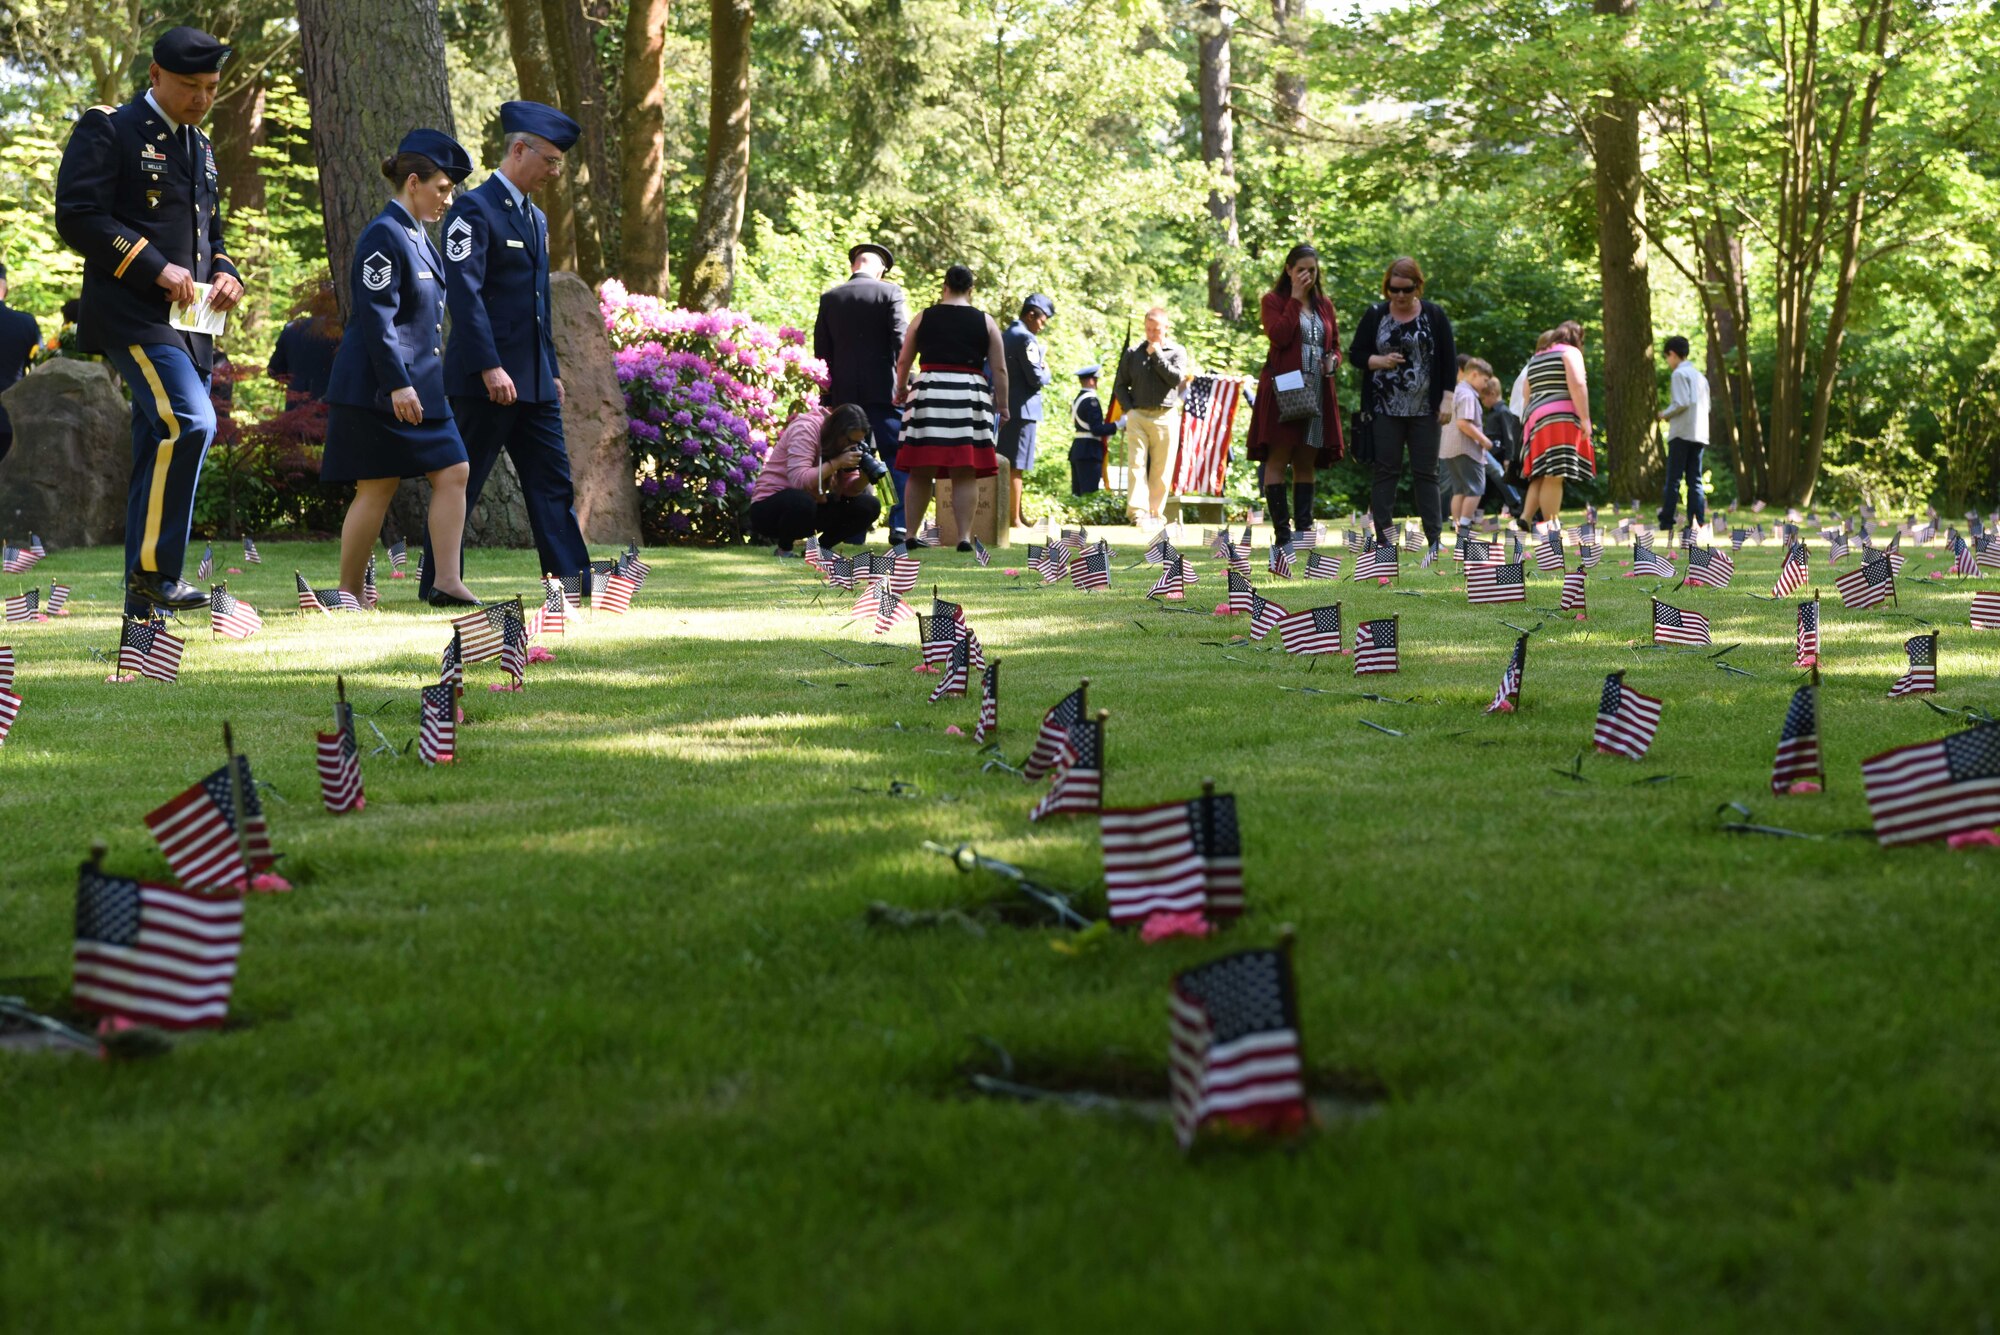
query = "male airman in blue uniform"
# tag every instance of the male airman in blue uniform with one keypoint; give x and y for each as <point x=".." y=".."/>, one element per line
<point x="500" y="362"/>
<point x="1027" y="375"/>
<point x="137" y="196"/>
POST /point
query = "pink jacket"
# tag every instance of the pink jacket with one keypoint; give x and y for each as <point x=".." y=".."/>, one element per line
<point x="794" y="461"/>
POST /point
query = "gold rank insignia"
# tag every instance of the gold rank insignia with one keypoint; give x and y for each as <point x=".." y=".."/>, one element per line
<point x="152" y="199"/>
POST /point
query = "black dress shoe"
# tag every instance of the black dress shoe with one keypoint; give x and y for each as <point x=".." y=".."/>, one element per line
<point x="439" y="598"/>
<point x="897" y="535"/>
<point x="161" y="591"/>
<point x="965" y="546"/>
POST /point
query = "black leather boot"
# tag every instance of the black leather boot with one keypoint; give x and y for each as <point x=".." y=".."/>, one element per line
<point x="1279" y="511"/>
<point x="1302" y="505"/>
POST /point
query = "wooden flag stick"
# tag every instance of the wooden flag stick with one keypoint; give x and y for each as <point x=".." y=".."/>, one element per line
<point x="236" y="801"/>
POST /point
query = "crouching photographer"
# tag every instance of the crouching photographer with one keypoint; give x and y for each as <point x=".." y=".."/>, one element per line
<point x="818" y="476"/>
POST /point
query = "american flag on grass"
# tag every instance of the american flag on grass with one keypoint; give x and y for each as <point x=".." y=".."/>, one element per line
<point x="1963" y="561"/>
<point x="957" y="672"/>
<point x="1589" y="554"/>
<point x="1265" y="615"/>
<point x="1679" y="625"/>
<point x="1322" y="565"/>
<point x="1172" y="583"/>
<point x="1737" y="537"/>
<point x="980" y="555"/>
<point x="1236" y="1056"/>
<point x="1158" y="552"/>
<point x="437" y="736"/>
<point x="1309" y="536"/>
<point x="1075" y="537"/>
<point x="1496" y="584"/>
<point x="145" y="647"/>
<point x="451" y="664"/>
<point x="482" y="632"/>
<point x="1626" y="720"/>
<point x="928" y="534"/>
<point x="1357" y="540"/>
<point x="1934" y="790"/>
<point x="1176" y="857"/>
<point x="1079" y="778"/>
<point x="890" y="611"/>
<point x="1413" y="538"/>
<point x="1280" y="562"/>
<point x="866" y="598"/>
<point x="1208" y="419"/>
<point x="17" y="560"/>
<point x="1375" y="646"/>
<point x="1986" y="552"/>
<point x="1709" y="567"/>
<point x="1313" y="631"/>
<point x="1091" y="570"/>
<point x="6" y="667"/>
<point x="903" y="572"/>
<point x="1054" y="734"/>
<point x="1476" y="551"/>
<point x="1376" y="563"/>
<point x="1240" y="591"/>
<point x="10" y="709"/>
<point x="370" y="595"/>
<point x="1237" y="556"/>
<point x="1986" y="611"/>
<point x="1871" y="585"/>
<point x="1646" y="561"/>
<point x="207" y="566"/>
<point x="616" y="597"/>
<point x="634" y="568"/>
<point x="815" y="555"/>
<point x="197" y="830"/>
<point x="250" y="554"/>
<point x="840" y="572"/>
<point x="989" y="702"/>
<point x="231" y="617"/>
<point x="58" y="604"/>
<point x="154" y="954"/>
<point x="24" y="606"/>
<point x="1798" y="741"/>
<point x="1921" y="678"/>
<point x="552" y="617"/>
<point x="325" y="601"/>
<point x="1837" y="548"/>
<point x="339" y="758"/>
<point x="1806" y="641"/>
<point x="1574" y="593"/>
<point x="1793" y="573"/>
<point x="514" y="649"/>
<point x="399" y="554"/>
<point x="948" y="610"/>
<point x="936" y="634"/>
<point x="1510" y="681"/>
<point x="1549" y="553"/>
<point x="573" y="590"/>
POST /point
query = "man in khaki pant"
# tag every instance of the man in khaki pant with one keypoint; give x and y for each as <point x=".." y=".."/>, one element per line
<point x="1149" y="388"/>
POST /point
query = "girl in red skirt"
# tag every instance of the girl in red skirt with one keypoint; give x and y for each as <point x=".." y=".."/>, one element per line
<point x="952" y="414"/>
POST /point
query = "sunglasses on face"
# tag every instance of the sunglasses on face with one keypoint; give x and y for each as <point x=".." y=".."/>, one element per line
<point x="1400" y="291"/>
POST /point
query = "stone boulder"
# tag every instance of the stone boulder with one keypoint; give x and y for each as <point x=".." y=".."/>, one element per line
<point x="72" y="459"/>
<point x="600" y="447"/>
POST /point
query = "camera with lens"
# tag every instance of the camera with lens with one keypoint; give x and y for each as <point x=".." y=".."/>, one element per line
<point x="871" y="463"/>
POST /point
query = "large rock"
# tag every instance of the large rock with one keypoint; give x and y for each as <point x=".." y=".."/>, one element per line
<point x="600" y="447"/>
<point x="72" y="459"/>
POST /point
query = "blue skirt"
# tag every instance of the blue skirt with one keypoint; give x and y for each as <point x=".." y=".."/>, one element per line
<point x="362" y="443"/>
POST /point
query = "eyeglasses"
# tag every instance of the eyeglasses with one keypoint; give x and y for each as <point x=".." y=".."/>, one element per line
<point x="1402" y="290"/>
<point x="555" y="163"/>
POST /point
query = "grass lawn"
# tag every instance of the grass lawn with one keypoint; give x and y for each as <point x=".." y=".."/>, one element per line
<point x="588" y="1029"/>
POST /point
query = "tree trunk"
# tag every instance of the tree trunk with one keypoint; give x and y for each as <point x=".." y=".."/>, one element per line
<point x="1288" y="80"/>
<point x="709" y="279"/>
<point x="1218" y="151"/>
<point x="573" y="59"/>
<point x="533" y="71"/>
<point x="237" y="131"/>
<point x="1629" y="387"/>
<point x="365" y="94"/>
<point x="642" y="248"/>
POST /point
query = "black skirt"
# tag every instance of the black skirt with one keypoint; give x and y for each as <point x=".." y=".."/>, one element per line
<point x="362" y="444"/>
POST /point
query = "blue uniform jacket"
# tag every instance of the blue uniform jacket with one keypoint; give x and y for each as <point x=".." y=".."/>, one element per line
<point x="497" y="275"/>
<point x="395" y="328"/>
<point x="131" y="201"/>
<point x="19" y="337"/>
<point x="1027" y="373"/>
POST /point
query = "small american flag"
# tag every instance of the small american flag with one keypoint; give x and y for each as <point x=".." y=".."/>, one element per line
<point x="25" y="606"/>
<point x="903" y="572"/>
<point x="6" y="667"/>
<point x="572" y="587"/>
<point x="1308" y="536"/>
<point x="1798" y="743"/>
<point x="1208" y="419"/>
<point x="1921" y="678"/>
<point x="451" y="664"/>
<point x="816" y="556"/>
<point x="1158" y="552"/>
<point x="1413" y="538"/>
<point x="866" y="598"/>
<point x="482" y="632"/>
<point x="340" y="764"/>
<point x="1079" y="779"/>
<point x="325" y="601"/>
<point x="1737" y="537"/>
<point x="840" y="572"/>
<point x="553" y="618"/>
<point x="1172" y="583"/>
<point x="1054" y="734"/>
<point x="1510" y="680"/>
<point x="10" y="709"/>
<point x="1806" y="644"/>
<point x="1678" y="625"/>
<point x="58" y="600"/>
<point x="1375" y="647"/>
<point x="370" y="595"/>
<point x="1237" y="557"/>
<point x="1265" y="615"/>
<point x="1236" y="1055"/>
<point x="1710" y="568"/>
<point x="1280" y="563"/>
<point x="1837" y="548"/>
<point x="957" y="672"/>
<point x="1091" y="570"/>
<point x="1313" y="631"/>
<point x="890" y="611"/>
<point x="1075" y="537"/>
<point x="617" y="596"/>
<point x="437" y="738"/>
<point x="148" y="649"/>
<point x="1986" y="550"/>
<point x="207" y="566"/>
<point x="635" y="569"/>
<point x="1177" y="857"/>
<point x="230" y="617"/>
<point x="17" y="560"/>
<point x="1357" y="540"/>
<point x="399" y="554"/>
<point x="1549" y="553"/>
<point x="936" y="635"/>
<point x="1322" y="565"/>
<point x="1589" y="554"/>
<point x="1646" y="561"/>
<point x="1240" y="591"/>
<point x="1869" y="586"/>
<point x="948" y="610"/>
<point x="1574" y="591"/>
<point x="250" y="551"/>
<point x="928" y="534"/>
<point x="1496" y="584"/>
<point x="980" y="555"/>
<point x="154" y="954"/>
<point x="35" y="545"/>
<point x="989" y="702"/>
<point x="1470" y="550"/>
<point x="1934" y="790"/>
<point x="1376" y="563"/>
<point x="1963" y="562"/>
<point x="1792" y="575"/>
<point x="197" y="830"/>
<point x="1626" y="720"/>
<point x="1986" y="611"/>
<point x="514" y="649"/>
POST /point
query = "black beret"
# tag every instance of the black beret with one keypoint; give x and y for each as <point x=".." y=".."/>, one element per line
<point x="189" y="51"/>
<point x="542" y="121"/>
<point x="440" y="148"/>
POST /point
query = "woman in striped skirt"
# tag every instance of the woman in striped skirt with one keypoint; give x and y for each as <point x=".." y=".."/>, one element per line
<point x="1558" y="426"/>
<point x="952" y="412"/>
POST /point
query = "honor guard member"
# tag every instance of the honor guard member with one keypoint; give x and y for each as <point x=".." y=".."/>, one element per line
<point x="1086" y="450"/>
<point x="1027" y="375"/>
<point x="859" y="333"/>
<point x="137" y="197"/>
<point x="19" y="337"/>
<point x="500" y="365"/>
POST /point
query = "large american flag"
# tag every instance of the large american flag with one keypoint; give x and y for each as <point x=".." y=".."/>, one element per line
<point x="1172" y="583"/>
<point x="1626" y="720"/>
<point x="1710" y="567"/>
<point x="1678" y="625"/>
<point x="1313" y="631"/>
<point x="1510" y="680"/>
<point x="1798" y="743"/>
<point x="10" y="709"/>
<point x="1793" y="573"/>
<point x="1265" y="615"/>
<point x="1986" y="611"/>
<point x="154" y="954"/>
<point x="1496" y="584"/>
<point x="340" y="763"/>
<point x="1921" y="678"/>
<point x="1079" y="780"/>
<point x="150" y="650"/>
<point x="1177" y="857"/>
<point x="1240" y="592"/>
<point x="1574" y="596"/>
<point x="1208" y="419"/>
<point x="197" y="830"/>
<point x="1236" y="1053"/>
<point x="1091" y="570"/>
<point x="1934" y="790"/>
<point x="1376" y="563"/>
<point x="989" y="702"/>
<point x="1375" y="647"/>
<point x="1054" y="734"/>
<point x="1869" y="586"/>
<point x="1806" y="642"/>
<point x="1549" y="551"/>
<point x="437" y="737"/>
<point x="230" y="617"/>
<point x="1322" y="565"/>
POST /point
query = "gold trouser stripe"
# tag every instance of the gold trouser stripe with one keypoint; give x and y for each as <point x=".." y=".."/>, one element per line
<point x="163" y="459"/>
<point x="126" y="263"/>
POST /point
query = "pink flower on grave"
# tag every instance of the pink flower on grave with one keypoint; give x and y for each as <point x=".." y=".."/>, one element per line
<point x="1504" y="707"/>
<point x="924" y="667"/>
<point x="1383" y="582"/>
<point x="1804" y="786"/>
<point x="1224" y="610"/>
<point x="503" y="686"/>
<point x="954" y="731"/>
<point x="235" y="570"/>
<point x="1974" y="839"/>
<point x="1011" y="572"/>
<point x="537" y="654"/>
<point x="1162" y="926"/>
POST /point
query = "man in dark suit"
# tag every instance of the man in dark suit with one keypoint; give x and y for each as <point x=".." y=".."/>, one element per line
<point x="500" y="364"/>
<point x="19" y="337"/>
<point x="138" y="197"/>
<point x="859" y="334"/>
<point x="1027" y="376"/>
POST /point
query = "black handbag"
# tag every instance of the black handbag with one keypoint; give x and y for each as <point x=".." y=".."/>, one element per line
<point x="1361" y="440"/>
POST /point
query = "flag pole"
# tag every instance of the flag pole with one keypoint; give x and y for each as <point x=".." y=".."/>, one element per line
<point x="236" y="803"/>
<point x="1822" y="751"/>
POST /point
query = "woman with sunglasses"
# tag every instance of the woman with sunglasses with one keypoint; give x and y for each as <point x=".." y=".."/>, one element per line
<point x="1300" y="323"/>
<point x="1407" y="360"/>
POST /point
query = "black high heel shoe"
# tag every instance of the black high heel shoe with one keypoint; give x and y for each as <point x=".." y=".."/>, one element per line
<point x="439" y="598"/>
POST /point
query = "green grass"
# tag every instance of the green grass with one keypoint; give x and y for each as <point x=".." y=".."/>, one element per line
<point x="587" y="1029"/>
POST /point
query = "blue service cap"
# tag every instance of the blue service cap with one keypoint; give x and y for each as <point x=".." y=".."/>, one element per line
<point x="1086" y="372"/>
<point x="1037" y="302"/>
<point x="189" y="51"/>
<point x="441" y="148"/>
<point x="539" y="119"/>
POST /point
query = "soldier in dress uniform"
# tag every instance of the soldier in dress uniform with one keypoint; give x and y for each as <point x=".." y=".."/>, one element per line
<point x="500" y="363"/>
<point x="1027" y="374"/>
<point x="1086" y="447"/>
<point x="137" y="196"/>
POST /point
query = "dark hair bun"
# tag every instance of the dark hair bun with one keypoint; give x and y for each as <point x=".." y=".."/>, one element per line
<point x="958" y="278"/>
<point x="398" y="167"/>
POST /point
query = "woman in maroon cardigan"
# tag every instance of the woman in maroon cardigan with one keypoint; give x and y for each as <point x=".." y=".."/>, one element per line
<point x="1300" y="322"/>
